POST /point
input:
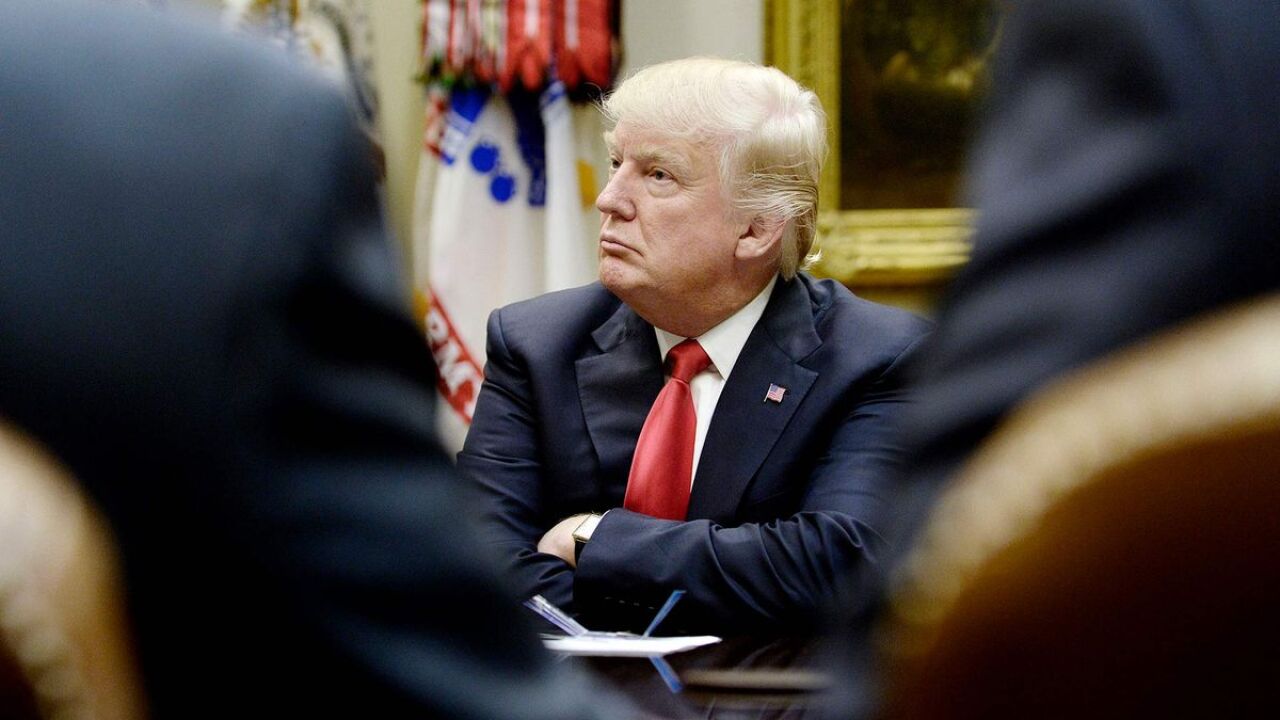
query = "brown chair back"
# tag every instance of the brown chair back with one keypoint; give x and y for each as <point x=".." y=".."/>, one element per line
<point x="64" y="644"/>
<point x="1114" y="549"/>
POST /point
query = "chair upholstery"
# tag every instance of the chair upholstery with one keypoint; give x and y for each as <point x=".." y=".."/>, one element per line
<point x="1114" y="549"/>
<point x="64" y="644"/>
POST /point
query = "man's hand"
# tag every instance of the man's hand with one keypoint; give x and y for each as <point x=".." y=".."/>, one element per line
<point x="559" y="539"/>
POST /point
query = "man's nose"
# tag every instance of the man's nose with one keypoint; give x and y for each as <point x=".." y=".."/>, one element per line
<point x="614" y="199"/>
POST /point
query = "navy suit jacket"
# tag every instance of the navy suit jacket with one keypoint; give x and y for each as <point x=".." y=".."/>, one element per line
<point x="788" y="498"/>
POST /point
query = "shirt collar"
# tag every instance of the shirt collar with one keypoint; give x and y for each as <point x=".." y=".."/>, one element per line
<point x="724" y="342"/>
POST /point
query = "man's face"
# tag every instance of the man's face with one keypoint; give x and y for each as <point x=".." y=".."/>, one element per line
<point x="667" y="234"/>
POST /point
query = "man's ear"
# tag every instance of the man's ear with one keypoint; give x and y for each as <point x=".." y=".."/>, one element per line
<point x="761" y="238"/>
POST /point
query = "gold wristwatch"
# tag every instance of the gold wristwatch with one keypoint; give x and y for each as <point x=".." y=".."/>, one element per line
<point x="582" y="533"/>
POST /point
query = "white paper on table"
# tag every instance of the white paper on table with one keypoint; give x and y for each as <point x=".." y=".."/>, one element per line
<point x="624" y="644"/>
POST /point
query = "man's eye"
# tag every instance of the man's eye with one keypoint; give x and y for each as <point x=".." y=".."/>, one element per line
<point x="659" y="174"/>
<point x="614" y="163"/>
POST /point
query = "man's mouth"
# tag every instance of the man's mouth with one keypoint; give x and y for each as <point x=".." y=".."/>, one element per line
<point x="611" y="243"/>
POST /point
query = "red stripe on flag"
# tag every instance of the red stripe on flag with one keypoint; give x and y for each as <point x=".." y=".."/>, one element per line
<point x="459" y="375"/>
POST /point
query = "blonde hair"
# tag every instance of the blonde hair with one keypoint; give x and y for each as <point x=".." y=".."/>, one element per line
<point x="769" y="133"/>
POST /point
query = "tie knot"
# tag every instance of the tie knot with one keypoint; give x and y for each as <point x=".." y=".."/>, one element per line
<point x="687" y="359"/>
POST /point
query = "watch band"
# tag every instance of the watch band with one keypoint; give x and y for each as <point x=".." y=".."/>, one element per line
<point x="582" y="533"/>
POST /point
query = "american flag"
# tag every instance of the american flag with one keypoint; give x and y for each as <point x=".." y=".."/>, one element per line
<point x="775" y="393"/>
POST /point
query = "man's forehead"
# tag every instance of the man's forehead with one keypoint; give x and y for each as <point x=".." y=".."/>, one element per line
<point x="652" y="145"/>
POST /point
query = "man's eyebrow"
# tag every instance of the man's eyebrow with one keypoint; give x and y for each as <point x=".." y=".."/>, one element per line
<point x="656" y="155"/>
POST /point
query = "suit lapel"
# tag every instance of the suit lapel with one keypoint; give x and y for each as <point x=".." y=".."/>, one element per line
<point x="617" y="387"/>
<point x="745" y="426"/>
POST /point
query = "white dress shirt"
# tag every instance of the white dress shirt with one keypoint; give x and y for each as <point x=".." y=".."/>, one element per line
<point x="723" y="344"/>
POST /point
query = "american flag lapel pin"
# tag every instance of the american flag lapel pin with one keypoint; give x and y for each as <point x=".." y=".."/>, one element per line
<point x="775" y="393"/>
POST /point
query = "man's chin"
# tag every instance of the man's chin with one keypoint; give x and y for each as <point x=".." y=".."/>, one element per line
<point x="616" y="278"/>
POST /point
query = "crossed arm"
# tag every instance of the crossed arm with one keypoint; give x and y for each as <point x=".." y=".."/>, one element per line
<point x="799" y="553"/>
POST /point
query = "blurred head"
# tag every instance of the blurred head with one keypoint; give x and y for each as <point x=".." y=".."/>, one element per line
<point x="714" y="183"/>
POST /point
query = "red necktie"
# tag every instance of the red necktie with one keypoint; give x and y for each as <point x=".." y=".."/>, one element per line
<point x="662" y="469"/>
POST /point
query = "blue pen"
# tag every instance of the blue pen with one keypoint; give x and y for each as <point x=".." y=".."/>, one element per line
<point x="667" y="673"/>
<point x="664" y="611"/>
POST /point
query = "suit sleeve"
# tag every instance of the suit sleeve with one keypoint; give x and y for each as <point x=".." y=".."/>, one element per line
<point x="785" y="572"/>
<point x="502" y="457"/>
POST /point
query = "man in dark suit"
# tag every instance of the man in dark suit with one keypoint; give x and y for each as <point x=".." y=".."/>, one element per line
<point x="1126" y="179"/>
<point x="200" y="316"/>
<point x="771" y="494"/>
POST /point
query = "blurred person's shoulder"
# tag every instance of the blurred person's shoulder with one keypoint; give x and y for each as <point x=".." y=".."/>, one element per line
<point x="180" y="47"/>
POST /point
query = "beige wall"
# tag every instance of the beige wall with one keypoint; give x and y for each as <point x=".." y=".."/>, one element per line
<point x="657" y="30"/>
<point x="395" y="46"/>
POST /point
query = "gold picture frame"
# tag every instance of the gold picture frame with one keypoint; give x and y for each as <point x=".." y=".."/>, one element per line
<point x="910" y="251"/>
